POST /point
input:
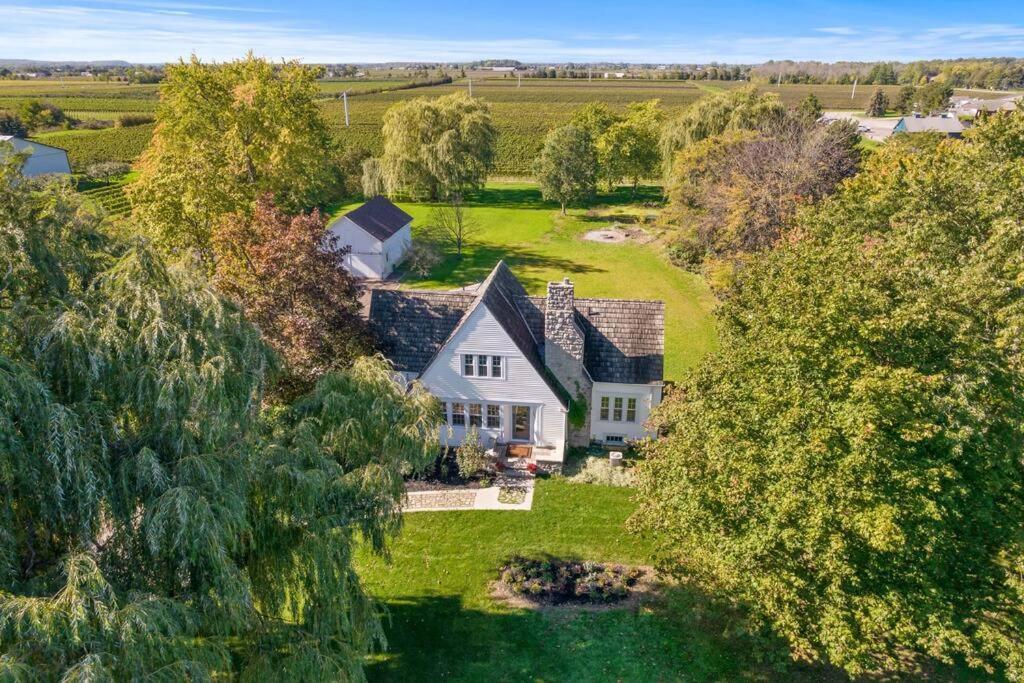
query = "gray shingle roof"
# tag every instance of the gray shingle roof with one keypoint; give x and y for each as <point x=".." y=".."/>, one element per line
<point x="931" y="124"/>
<point x="412" y="326"/>
<point x="379" y="217"/>
<point x="624" y="340"/>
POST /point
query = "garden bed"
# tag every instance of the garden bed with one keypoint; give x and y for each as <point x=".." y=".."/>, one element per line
<point x="533" y="583"/>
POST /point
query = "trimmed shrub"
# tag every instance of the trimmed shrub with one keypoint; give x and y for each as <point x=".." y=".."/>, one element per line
<point x="105" y="170"/>
<point x="470" y="455"/>
<point x="130" y="120"/>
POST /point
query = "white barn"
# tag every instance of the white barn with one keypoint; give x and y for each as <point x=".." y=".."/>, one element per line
<point x="42" y="159"/>
<point x="378" y="235"/>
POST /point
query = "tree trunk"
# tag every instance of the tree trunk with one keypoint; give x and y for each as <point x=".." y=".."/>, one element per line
<point x="563" y="208"/>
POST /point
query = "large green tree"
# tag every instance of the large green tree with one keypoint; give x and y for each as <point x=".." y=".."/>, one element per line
<point x="437" y="148"/>
<point x="227" y="134"/>
<point x="566" y="169"/>
<point x="743" y="109"/>
<point x="849" y="464"/>
<point x="157" y="524"/>
<point x="628" y="149"/>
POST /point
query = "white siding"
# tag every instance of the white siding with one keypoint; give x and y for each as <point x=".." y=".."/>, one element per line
<point x="369" y="257"/>
<point x="647" y="396"/>
<point x="396" y="247"/>
<point x="521" y="385"/>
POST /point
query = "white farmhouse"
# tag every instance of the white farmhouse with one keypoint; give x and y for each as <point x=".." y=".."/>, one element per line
<point x="378" y="235"/>
<point x="534" y="373"/>
<point x="42" y="159"/>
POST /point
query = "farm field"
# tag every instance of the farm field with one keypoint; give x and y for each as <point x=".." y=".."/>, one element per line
<point x="540" y="245"/>
<point x="523" y="114"/>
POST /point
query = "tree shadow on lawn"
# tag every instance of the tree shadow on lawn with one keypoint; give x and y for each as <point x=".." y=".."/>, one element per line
<point x="683" y="635"/>
<point x="529" y="197"/>
<point x="479" y="260"/>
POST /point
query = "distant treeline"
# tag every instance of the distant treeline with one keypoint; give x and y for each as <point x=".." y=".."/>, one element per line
<point x="443" y="80"/>
<point x="675" y="73"/>
<point x="996" y="73"/>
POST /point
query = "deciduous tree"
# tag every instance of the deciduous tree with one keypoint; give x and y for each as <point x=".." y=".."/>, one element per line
<point x="227" y="134"/>
<point x="743" y="109"/>
<point x="288" y="274"/>
<point x="566" y="169"/>
<point x="451" y="222"/>
<point x="629" y="147"/>
<point x="152" y="526"/>
<point x="437" y="148"/>
<point x="848" y="464"/>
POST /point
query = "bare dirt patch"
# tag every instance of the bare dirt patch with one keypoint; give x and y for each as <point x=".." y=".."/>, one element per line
<point x="608" y="236"/>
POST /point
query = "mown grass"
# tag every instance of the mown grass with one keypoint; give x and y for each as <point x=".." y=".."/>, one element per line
<point x="443" y="624"/>
<point x="517" y="225"/>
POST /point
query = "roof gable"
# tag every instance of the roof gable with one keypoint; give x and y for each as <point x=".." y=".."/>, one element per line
<point x="379" y="217"/>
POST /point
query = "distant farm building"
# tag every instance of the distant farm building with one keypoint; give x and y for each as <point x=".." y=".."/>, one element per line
<point x="377" y="235"/>
<point x="948" y="125"/>
<point x="42" y="159"/>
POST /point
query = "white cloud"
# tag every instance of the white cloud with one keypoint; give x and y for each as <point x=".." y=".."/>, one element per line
<point x="164" y="30"/>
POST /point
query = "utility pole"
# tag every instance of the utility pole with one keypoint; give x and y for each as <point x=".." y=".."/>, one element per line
<point x="590" y="73"/>
<point x="519" y="83"/>
<point x="470" y="86"/>
<point x="854" y="91"/>
<point x="344" y="99"/>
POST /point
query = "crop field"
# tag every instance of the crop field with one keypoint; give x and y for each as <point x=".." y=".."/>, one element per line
<point x="523" y="112"/>
<point x="86" y="147"/>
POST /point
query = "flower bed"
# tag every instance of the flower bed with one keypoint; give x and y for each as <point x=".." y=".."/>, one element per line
<point x="557" y="582"/>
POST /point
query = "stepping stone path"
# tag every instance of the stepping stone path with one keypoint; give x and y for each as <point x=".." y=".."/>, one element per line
<point x="452" y="500"/>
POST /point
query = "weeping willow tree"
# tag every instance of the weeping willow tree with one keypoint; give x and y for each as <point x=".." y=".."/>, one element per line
<point x="155" y="523"/>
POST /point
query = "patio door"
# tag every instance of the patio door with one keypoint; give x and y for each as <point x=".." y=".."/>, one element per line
<point x="520" y="423"/>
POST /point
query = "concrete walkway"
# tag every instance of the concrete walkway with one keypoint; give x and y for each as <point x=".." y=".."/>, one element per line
<point x="465" y="499"/>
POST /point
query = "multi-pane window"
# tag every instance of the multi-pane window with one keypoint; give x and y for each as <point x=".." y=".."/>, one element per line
<point x="458" y="414"/>
<point x="444" y="411"/>
<point x="480" y="365"/>
<point x="474" y="415"/>
<point x="493" y="417"/>
<point x="617" y="408"/>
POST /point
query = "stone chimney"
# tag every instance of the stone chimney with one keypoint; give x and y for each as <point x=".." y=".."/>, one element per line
<point x="563" y="355"/>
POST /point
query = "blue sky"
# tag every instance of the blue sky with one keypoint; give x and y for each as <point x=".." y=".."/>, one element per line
<point x="529" y="30"/>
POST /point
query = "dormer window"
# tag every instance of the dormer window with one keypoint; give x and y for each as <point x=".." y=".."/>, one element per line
<point x="481" y="365"/>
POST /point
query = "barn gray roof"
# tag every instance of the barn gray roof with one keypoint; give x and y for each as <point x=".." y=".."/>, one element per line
<point x="931" y="124"/>
<point x="624" y="340"/>
<point x="379" y="217"/>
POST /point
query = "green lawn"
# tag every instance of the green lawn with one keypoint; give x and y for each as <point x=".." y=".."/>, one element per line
<point x="444" y="626"/>
<point x="540" y="245"/>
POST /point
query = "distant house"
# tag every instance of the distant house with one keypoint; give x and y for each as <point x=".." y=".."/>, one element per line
<point x="378" y="235"/>
<point x="947" y="125"/>
<point x="42" y="159"/>
<point x="516" y="366"/>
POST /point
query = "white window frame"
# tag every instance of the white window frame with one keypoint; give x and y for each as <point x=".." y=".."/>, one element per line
<point x="445" y="414"/>
<point x="618" y="408"/>
<point x="479" y="415"/>
<point x="616" y="439"/>
<point x="458" y="413"/>
<point x="496" y="416"/>
<point x="482" y="365"/>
